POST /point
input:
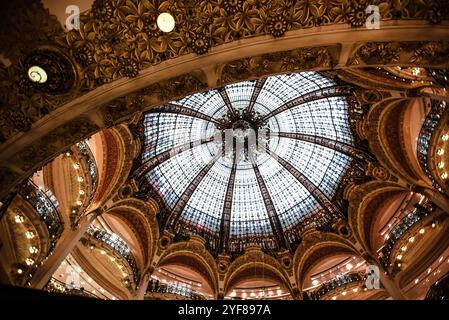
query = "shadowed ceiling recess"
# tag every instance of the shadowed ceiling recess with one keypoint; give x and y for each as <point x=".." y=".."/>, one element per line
<point x="268" y="198"/>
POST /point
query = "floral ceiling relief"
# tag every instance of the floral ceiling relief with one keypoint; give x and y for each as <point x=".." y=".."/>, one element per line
<point x="118" y="38"/>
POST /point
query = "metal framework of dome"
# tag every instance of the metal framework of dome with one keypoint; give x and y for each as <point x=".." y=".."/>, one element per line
<point x="265" y="197"/>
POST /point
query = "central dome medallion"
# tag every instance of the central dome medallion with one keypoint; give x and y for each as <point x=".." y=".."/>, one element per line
<point x="251" y="162"/>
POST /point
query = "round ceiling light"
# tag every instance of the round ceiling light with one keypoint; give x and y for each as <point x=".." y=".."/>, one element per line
<point x="166" y="22"/>
<point x="37" y="74"/>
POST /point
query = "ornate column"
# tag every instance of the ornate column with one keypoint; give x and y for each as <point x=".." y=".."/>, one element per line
<point x="142" y="287"/>
<point x="64" y="246"/>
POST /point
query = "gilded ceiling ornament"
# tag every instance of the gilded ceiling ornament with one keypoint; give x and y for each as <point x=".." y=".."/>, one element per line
<point x="431" y="52"/>
<point x="376" y="53"/>
<point x="200" y="43"/>
<point x="277" y="26"/>
<point x="102" y="10"/>
<point x="231" y="6"/>
<point x="128" y="67"/>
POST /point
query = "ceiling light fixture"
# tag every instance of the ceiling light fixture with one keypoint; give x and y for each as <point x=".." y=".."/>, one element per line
<point x="37" y="74"/>
<point x="166" y="22"/>
<point x="19" y="219"/>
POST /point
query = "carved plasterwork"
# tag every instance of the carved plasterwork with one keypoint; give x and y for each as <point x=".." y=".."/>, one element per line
<point x="364" y="202"/>
<point x="186" y="252"/>
<point x="256" y="259"/>
<point x="313" y="241"/>
<point x="385" y="53"/>
<point x="141" y="217"/>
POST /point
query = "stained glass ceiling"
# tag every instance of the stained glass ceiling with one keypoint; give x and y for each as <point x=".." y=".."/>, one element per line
<point x="260" y="194"/>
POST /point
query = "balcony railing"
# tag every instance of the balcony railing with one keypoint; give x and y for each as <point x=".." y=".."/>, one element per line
<point x="82" y="148"/>
<point x="56" y="286"/>
<point x="408" y="222"/>
<point x="336" y="283"/>
<point x="46" y="206"/>
<point x="118" y="245"/>
<point x="155" y="286"/>
<point x="85" y="151"/>
<point x="431" y="122"/>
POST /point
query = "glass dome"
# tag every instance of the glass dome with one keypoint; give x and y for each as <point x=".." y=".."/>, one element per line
<point x="268" y="187"/>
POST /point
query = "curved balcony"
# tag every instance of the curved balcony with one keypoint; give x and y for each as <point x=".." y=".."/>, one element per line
<point x="407" y="223"/>
<point x="425" y="138"/>
<point x="46" y="207"/>
<point x="156" y="287"/>
<point x="87" y="158"/>
<point x="439" y="290"/>
<point x="337" y="283"/>
<point x="118" y="246"/>
<point x="56" y="286"/>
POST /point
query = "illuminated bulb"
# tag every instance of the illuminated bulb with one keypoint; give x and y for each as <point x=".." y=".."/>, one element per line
<point x="349" y="266"/>
<point x="365" y="289"/>
<point x="81" y="192"/>
<point x="37" y="74"/>
<point x="29" y="261"/>
<point x="124" y="275"/>
<point x="89" y="280"/>
<point x="399" y="265"/>
<point x="355" y="290"/>
<point x="76" y="166"/>
<point x="440" y="152"/>
<point x="67" y="154"/>
<point x="29" y="235"/>
<point x="412" y="239"/>
<point x="79" y="202"/>
<point x="33" y="250"/>
<point x="165" y="22"/>
<point x="80" y="179"/>
<point x="103" y="252"/>
<point x="399" y="257"/>
<point x="416" y="281"/>
<point x="444" y="175"/>
<point x="445" y="137"/>
<point x="344" y="293"/>
<point x="19" y="271"/>
<point x="429" y="270"/>
<point x="112" y="259"/>
<point x="404" y="248"/>
<point x="19" y="219"/>
<point x="422" y="231"/>
<point x="102" y="290"/>
<point x="334" y="298"/>
<point x="441" y="165"/>
<point x="315" y="282"/>
<point x="433" y="225"/>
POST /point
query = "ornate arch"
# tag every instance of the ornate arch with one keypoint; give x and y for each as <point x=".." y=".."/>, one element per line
<point x="140" y="216"/>
<point x="364" y="202"/>
<point x="316" y="246"/>
<point x="118" y="153"/>
<point x="259" y="262"/>
<point x="383" y="128"/>
<point x="194" y="255"/>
